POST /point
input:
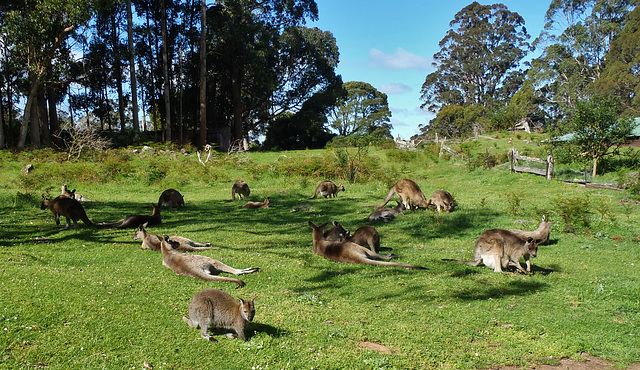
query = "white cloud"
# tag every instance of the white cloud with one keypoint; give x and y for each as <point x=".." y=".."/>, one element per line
<point x="394" y="89"/>
<point x="402" y="59"/>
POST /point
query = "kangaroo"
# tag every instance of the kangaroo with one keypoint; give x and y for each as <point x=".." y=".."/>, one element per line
<point x="151" y="241"/>
<point x="264" y="204"/>
<point x="540" y="235"/>
<point x="364" y="235"/>
<point x="197" y="266"/>
<point x="171" y="198"/>
<point x="499" y="249"/>
<point x="411" y="194"/>
<point x="72" y="194"/>
<point x="442" y="199"/>
<point x="136" y="220"/>
<point x="348" y="252"/>
<point x="215" y="308"/>
<point x="241" y="188"/>
<point x="67" y="207"/>
<point x="327" y="189"/>
<point x="387" y="214"/>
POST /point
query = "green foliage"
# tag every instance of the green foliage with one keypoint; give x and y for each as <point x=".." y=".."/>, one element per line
<point x="575" y="213"/>
<point x="454" y="121"/>
<point x="513" y="203"/>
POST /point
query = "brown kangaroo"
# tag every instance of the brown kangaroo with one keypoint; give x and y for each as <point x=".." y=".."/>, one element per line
<point x="72" y="194"/>
<point x="241" y="188"/>
<point x="212" y="308"/>
<point x="411" y="194"/>
<point x="136" y="220"/>
<point x="499" y="249"/>
<point x="442" y="200"/>
<point x="327" y="189"/>
<point x="153" y="242"/>
<point x="264" y="204"/>
<point x="172" y="198"/>
<point x="540" y="235"/>
<point x="387" y="214"/>
<point x="364" y="235"/>
<point x="197" y="266"/>
<point x="348" y="252"/>
<point x="67" y="207"/>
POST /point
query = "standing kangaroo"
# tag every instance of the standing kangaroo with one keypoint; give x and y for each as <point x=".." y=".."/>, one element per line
<point x="327" y="189"/>
<point x="387" y="214"/>
<point x="443" y="200"/>
<point x="499" y="249"/>
<point x="411" y="194"/>
<point x="172" y="198"/>
<point x="365" y="235"/>
<point x="153" y="242"/>
<point x="136" y="220"/>
<point x="67" y="207"/>
<point x="264" y="204"/>
<point x="197" y="266"/>
<point x="348" y="252"/>
<point x="241" y="188"/>
<point x="540" y="235"/>
<point x="215" y="308"/>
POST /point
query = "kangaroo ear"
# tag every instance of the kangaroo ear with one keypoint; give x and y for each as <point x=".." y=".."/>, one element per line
<point x="44" y="196"/>
<point x="544" y="218"/>
<point x="144" y="225"/>
<point x="166" y="238"/>
<point x="530" y="240"/>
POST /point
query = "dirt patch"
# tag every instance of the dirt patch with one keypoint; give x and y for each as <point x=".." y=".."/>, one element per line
<point x="588" y="363"/>
<point x="377" y="347"/>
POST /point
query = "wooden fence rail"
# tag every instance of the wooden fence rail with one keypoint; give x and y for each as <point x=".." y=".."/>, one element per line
<point x="515" y="159"/>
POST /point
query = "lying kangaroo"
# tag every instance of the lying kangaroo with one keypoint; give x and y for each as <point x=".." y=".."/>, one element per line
<point x="241" y="188"/>
<point x="72" y="194"/>
<point x="344" y="251"/>
<point x="327" y="189"/>
<point x="136" y="220"/>
<point x="171" y="198"/>
<point x="264" y="204"/>
<point x="411" y="194"/>
<point x="540" y="235"/>
<point x="197" y="266"/>
<point x="387" y="214"/>
<point x="365" y="235"/>
<point x="442" y="199"/>
<point x="67" y="207"/>
<point x="215" y="308"/>
<point x="499" y="249"/>
<point x="153" y="242"/>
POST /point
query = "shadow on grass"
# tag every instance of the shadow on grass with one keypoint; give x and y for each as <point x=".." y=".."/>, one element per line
<point x="512" y="288"/>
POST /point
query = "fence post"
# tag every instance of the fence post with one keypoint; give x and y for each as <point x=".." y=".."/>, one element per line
<point x="549" y="167"/>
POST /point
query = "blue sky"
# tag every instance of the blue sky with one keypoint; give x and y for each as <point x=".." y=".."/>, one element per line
<point x="390" y="45"/>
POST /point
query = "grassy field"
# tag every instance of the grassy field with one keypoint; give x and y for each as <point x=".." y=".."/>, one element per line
<point x="91" y="298"/>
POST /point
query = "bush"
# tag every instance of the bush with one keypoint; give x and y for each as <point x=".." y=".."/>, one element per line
<point x="575" y="212"/>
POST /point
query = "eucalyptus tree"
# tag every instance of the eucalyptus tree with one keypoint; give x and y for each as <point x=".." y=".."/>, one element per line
<point x="479" y="58"/>
<point x="364" y="111"/>
<point x="39" y="29"/>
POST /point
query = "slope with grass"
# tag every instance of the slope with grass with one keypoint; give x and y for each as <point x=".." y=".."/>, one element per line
<point x="92" y="298"/>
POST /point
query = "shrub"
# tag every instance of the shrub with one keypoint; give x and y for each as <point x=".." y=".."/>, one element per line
<point x="575" y="212"/>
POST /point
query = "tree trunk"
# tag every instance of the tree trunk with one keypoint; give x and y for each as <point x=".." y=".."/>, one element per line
<point x="165" y="69"/>
<point x="54" y="122"/>
<point x="595" y="167"/>
<point x="236" y="98"/>
<point x="203" y="73"/>
<point x="117" y="66"/>
<point x="43" y="117"/>
<point x="34" y="122"/>
<point x="3" y="123"/>
<point x="132" y="69"/>
<point x="26" y="117"/>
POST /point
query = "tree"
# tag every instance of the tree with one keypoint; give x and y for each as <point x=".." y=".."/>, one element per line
<point x="597" y="130"/>
<point x="364" y="110"/>
<point x="132" y="67"/>
<point x="455" y="121"/>
<point x="621" y="74"/>
<point x="479" y="58"/>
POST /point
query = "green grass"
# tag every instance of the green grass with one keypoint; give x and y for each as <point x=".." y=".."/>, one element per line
<point x="91" y="298"/>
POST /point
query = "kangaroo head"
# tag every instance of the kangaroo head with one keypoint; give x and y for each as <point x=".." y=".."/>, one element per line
<point x="247" y="309"/>
<point x="168" y="243"/>
<point x="45" y="202"/>
<point x="140" y="233"/>
<point x="341" y="230"/>
<point x="532" y="247"/>
<point x="317" y="230"/>
<point x="156" y="209"/>
<point x="266" y="202"/>
<point x="341" y="187"/>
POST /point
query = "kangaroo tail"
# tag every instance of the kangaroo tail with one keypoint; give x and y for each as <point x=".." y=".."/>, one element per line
<point x="86" y="220"/>
<point x="386" y="200"/>
<point x="394" y="264"/>
<point x="190" y="248"/>
<point x="109" y="224"/>
<point x="471" y="263"/>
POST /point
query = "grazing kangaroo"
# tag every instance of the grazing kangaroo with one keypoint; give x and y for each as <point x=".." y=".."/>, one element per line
<point x="67" y="207"/>
<point x="72" y="194"/>
<point x="212" y="308"/>
<point x="241" y="188"/>
<point x="172" y="198"/>
<point x="327" y="189"/>
<point x="365" y="235"/>
<point x="499" y="249"/>
<point x="411" y="194"/>
<point x="348" y="252"/>
<point x="540" y="235"/>
<point x="197" y="266"/>
<point x="443" y="200"/>
<point x="153" y="242"/>
<point x="264" y="204"/>
<point x="136" y="220"/>
<point x="387" y="214"/>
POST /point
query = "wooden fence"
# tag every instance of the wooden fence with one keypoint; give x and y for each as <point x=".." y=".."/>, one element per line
<point x="515" y="159"/>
